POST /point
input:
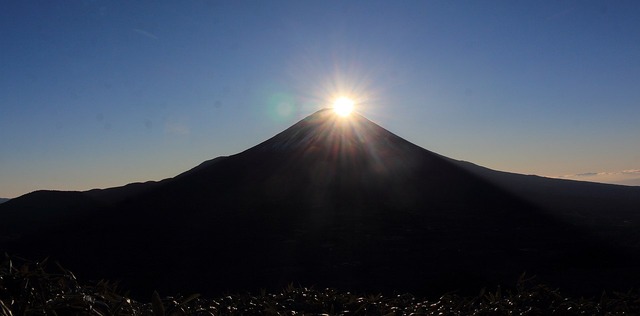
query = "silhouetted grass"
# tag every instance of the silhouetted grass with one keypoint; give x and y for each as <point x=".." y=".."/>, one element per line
<point x="40" y="288"/>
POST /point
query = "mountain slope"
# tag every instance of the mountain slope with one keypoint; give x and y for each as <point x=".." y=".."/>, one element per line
<point x="332" y="202"/>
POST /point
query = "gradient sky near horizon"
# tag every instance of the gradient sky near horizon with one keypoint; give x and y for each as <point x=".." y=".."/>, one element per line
<point x="96" y="94"/>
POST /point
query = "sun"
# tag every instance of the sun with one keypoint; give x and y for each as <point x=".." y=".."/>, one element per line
<point x="343" y="106"/>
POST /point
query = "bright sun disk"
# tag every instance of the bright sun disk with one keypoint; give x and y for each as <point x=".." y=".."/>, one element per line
<point x="343" y="106"/>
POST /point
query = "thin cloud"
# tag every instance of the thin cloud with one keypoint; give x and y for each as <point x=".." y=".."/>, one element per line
<point x="627" y="177"/>
<point x="561" y="14"/>
<point x="146" y="34"/>
<point x="586" y="174"/>
<point x="176" y="128"/>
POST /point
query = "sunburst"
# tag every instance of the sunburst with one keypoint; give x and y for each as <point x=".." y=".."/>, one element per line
<point x="343" y="106"/>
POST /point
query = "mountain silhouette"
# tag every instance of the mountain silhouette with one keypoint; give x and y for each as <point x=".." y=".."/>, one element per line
<point x="337" y="202"/>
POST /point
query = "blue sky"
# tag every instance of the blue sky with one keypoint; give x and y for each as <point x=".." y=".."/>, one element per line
<point x="103" y="93"/>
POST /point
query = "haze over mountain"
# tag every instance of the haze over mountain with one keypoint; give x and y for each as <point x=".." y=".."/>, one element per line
<point x="338" y="202"/>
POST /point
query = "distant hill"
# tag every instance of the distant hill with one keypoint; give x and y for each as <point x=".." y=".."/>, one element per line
<point x="2" y="200"/>
<point x="336" y="202"/>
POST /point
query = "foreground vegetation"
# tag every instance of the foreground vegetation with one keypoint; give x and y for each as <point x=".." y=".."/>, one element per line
<point x="40" y="288"/>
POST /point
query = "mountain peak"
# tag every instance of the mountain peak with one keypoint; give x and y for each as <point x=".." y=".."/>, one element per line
<point x="326" y="129"/>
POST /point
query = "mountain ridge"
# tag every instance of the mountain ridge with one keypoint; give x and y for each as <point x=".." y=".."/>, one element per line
<point x="334" y="202"/>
